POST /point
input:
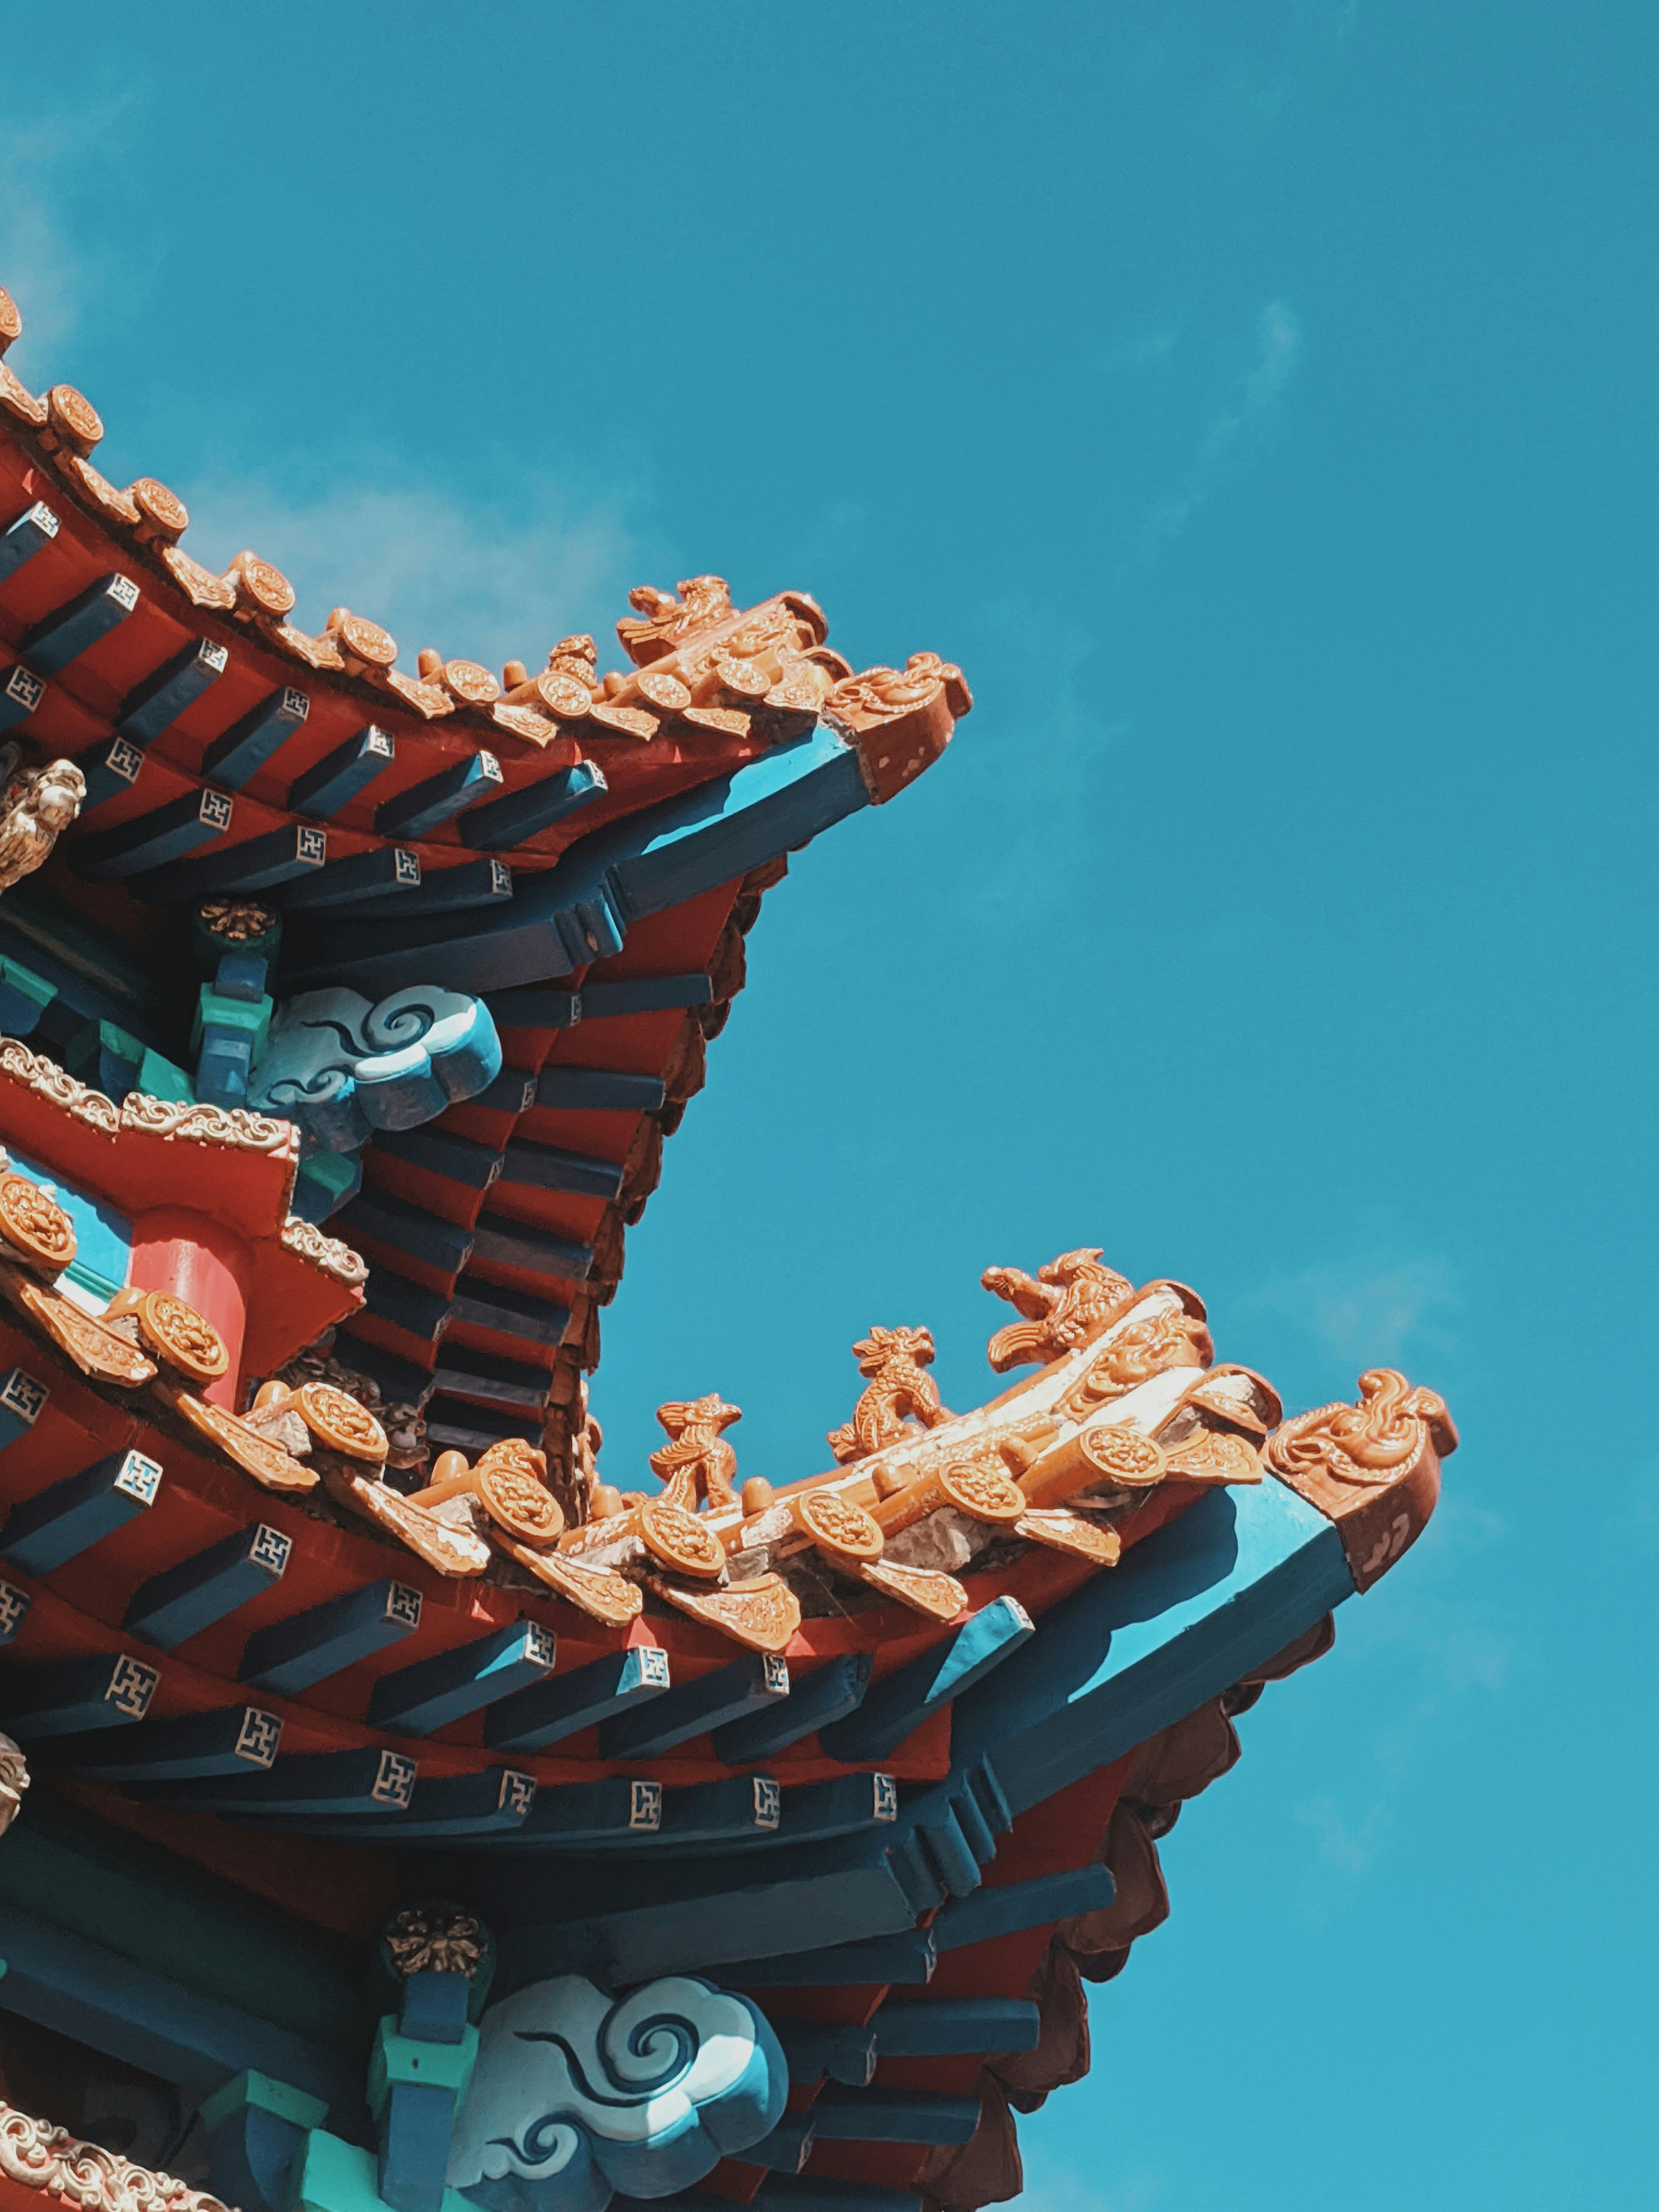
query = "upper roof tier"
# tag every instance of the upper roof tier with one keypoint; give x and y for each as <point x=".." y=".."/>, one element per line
<point x="318" y="771"/>
<point x="443" y="829"/>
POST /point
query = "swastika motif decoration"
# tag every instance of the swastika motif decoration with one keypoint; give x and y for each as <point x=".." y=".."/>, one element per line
<point x="132" y="1687"/>
<point x="259" y="1737"/>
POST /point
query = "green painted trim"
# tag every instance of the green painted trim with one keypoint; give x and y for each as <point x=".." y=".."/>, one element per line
<point x="88" y="1278"/>
<point x="160" y="1078"/>
<point x="331" y="2176"/>
<point x="192" y="1927"/>
<point x="265" y="2095"/>
<point x="436" y="2065"/>
<point x="233" y="1014"/>
<point x="334" y="1170"/>
<point x="26" y="982"/>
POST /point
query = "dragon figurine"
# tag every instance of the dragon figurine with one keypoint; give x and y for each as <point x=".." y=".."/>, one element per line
<point x="1062" y="1307"/>
<point x="696" y="1461"/>
<point x="893" y="1359"/>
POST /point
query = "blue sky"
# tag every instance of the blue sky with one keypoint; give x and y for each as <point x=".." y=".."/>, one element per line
<point x="1257" y="400"/>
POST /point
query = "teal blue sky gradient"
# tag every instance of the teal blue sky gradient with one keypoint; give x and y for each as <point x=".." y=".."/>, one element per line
<point x="1257" y="400"/>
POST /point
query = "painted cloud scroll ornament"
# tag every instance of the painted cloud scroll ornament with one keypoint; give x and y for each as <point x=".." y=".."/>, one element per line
<point x="342" y="1068"/>
<point x="577" y="2096"/>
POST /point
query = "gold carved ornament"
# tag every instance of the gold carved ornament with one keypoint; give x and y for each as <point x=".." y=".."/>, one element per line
<point x="436" y="1939"/>
<point x="601" y="1594"/>
<point x="52" y="1083"/>
<point x="844" y="1531"/>
<point x="1057" y="1530"/>
<point x="981" y="1491"/>
<point x="34" y="810"/>
<point x="696" y="1461"/>
<point x="1212" y="1456"/>
<point x="922" y="1590"/>
<point x="234" y="921"/>
<point x="1169" y="1338"/>
<point x="678" y="1540"/>
<point x="445" y="1549"/>
<point x="258" y="1456"/>
<point x="99" y="1352"/>
<point x="510" y="1484"/>
<point x="760" y="1615"/>
<point x="328" y="1254"/>
<point x="35" y="1227"/>
<point x="181" y="1337"/>
<point x="893" y="1359"/>
<point x="1066" y="1302"/>
<point x="339" y="1424"/>
<point x="1373" y="1442"/>
<point x="854" y="1541"/>
<point x="1122" y="1457"/>
<point x="199" y="1123"/>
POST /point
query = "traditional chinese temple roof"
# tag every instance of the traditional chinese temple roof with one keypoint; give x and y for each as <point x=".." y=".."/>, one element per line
<point x="350" y="1009"/>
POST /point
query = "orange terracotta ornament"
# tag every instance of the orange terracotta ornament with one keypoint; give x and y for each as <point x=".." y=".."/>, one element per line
<point x="338" y="1423"/>
<point x="603" y="1596"/>
<point x="176" y="1334"/>
<point x="35" y="1229"/>
<point x="680" y="1540"/>
<point x="258" y="1456"/>
<point x="894" y="1360"/>
<point x="1373" y="1469"/>
<point x="97" y="1352"/>
<point x="761" y="1616"/>
<point x="1066" y="1302"/>
<point x="509" y="1482"/>
<point x="696" y="1462"/>
<point x="1105" y="1454"/>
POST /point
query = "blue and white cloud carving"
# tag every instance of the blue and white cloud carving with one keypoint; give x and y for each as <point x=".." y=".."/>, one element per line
<point x="577" y="2096"/>
<point x="342" y="1068"/>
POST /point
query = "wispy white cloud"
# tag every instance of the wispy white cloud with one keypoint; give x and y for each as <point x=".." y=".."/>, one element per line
<point x="1041" y="838"/>
<point x="485" y="586"/>
<point x="49" y="261"/>
<point x="1367" y="1308"/>
<point x="1345" y="1842"/>
<point x="1235" y="430"/>
<point x="485" y="581"/>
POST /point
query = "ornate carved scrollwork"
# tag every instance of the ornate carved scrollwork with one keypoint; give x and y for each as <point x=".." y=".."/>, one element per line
<point x="40" y="2156"/>
<point x="697" y="1462"/>
<point x="893" y="1359"/>
<point x="438" y="1938"/>
<point x="1068" y="1301"/>
<point x="1373" y="1467"/>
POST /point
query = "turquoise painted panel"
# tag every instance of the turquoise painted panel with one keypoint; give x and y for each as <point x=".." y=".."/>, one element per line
<point x="103" y="1237"/>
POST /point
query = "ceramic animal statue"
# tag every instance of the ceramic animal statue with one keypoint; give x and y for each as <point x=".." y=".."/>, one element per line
<point x="37" y="809"/>
<point x="1369" y="1442"/>
<point x="696" y="1461"/>
<point x="893" y="1359"/>
<point x="1063" y="1306"/>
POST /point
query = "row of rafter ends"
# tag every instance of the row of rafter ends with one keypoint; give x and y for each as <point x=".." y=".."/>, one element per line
<point x="570" y="697"/>
<point x="702" y="668"/>
<point x="1033" y="1711"/>
<point x="966" y="2137"/>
